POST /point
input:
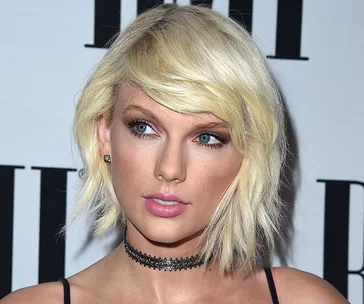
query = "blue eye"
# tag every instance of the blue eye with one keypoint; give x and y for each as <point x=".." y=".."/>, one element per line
<point x="209" y="140"/>
<point x="204" y="138"/>
<point x="140" y="128"/>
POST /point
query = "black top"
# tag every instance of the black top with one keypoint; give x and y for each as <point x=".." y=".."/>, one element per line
<point x="272" y="287"/>
<point x="66" y="291"/>
<point x="268" y="273"/>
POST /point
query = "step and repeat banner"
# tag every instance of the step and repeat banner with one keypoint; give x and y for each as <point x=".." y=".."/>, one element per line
<point x="47" y="50"/>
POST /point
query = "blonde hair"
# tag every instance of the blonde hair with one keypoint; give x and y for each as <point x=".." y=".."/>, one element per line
<point x="192" y="59"/>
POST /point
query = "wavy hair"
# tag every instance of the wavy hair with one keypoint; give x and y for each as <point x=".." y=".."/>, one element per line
<point x="192" y="59"/>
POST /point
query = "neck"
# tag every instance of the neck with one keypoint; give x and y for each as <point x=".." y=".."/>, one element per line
<point x="196" y="281"/>
<point x="179" y="258"/>
<point x="165" y="248"/>
<point x="161" y="263"/>
<point x="162" y="286"/>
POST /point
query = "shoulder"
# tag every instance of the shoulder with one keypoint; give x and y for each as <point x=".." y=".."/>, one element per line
<point x="43" y="293"/>
<point x="295" y="286"/>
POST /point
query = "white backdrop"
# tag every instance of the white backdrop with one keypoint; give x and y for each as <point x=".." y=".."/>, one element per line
<point x="44" y="64"/>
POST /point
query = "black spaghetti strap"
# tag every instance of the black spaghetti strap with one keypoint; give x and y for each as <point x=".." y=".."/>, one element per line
<point x="66" y="291"/>
<point x="272" y="287"/>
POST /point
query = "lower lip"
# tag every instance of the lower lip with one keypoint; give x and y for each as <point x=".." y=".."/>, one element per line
<point x="164" y="210"/>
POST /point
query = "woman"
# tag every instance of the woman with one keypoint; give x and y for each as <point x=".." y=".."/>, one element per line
<point x="181" y="131"/>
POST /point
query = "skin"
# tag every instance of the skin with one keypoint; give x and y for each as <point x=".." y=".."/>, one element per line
<point x="176" y="155"/>
<point x="174" y="160"/>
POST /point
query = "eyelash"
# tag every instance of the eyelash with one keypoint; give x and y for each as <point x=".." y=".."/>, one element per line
<point x="221" y="140"/>
<point x="131" y="126"/>
<point x="133" y="123"/>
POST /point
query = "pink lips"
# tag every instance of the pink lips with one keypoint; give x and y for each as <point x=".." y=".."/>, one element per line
<point x="161" y="210"/>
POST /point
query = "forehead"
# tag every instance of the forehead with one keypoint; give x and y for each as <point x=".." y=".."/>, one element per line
<point x="131" y="98"/>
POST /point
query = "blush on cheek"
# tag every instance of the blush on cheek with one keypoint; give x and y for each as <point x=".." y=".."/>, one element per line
<point x="223" y="176"/>
<point x="132" y="169"/>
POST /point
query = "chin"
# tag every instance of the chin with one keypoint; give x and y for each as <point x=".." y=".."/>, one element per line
<point x="168" y="234"/>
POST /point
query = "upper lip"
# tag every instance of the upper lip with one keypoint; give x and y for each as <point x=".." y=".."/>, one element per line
<point x="165" y="197"/>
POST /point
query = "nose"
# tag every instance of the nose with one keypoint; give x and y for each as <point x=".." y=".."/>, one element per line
<point x="171" y="163"/>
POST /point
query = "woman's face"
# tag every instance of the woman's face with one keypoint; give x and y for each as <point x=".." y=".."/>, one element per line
<point x="169" y="170"/>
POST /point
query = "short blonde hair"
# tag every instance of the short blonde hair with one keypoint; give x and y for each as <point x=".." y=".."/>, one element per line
<point x="192" y="59"/>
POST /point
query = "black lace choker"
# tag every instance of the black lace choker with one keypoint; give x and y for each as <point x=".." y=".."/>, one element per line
<point x="166" y="264"/>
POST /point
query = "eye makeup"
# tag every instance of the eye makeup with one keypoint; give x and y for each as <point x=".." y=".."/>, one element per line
<point x="144" y="129"/>
<point x="140" y="122"/>
<point x="206" y="136"/>
<point x="139" y="127"/>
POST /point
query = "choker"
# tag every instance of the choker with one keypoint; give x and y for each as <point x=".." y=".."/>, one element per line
<point x="157" y="263"/>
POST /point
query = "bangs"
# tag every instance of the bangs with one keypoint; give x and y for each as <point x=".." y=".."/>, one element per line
<point x="191" y="59"/>
<point x="181" y="75"/>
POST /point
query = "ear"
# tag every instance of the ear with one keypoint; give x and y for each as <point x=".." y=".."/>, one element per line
<point x="104" y="136"/>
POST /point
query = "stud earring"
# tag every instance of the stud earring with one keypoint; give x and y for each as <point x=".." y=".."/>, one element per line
<point x="107" y="158"/>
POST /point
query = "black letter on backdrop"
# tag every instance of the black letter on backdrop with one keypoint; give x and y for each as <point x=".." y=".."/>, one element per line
<point x="336" y="247"/>
<point x="289" y="22"/>
<point x="53" y="201"/>
<point x="289" y="30"/>
<point x="107" y="22"/>
<point x="7" y="187"/>
<point x="144" y="5"/>
<point x="107" y="16"/>
<point x="242" y="12"/>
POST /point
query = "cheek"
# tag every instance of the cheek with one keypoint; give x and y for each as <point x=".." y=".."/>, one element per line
<point x="215" y="176"/>
<point x="127" y="163"/>
<point x="209" y="185"/>
<point x="130" y="166"/>
<point x="216" y="182"/>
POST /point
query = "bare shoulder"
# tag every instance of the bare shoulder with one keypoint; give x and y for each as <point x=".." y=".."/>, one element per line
<point x="295" y="286"/>
<point x="43" y="293"/>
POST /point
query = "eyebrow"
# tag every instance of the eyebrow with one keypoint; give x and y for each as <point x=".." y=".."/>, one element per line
<point x="208" y="125"/>
<point x="146" y="112"/>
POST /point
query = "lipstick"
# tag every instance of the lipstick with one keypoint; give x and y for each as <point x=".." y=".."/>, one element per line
<point x="163" y="205"/>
